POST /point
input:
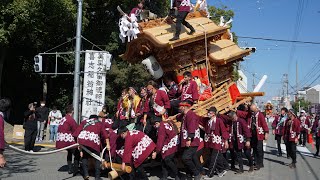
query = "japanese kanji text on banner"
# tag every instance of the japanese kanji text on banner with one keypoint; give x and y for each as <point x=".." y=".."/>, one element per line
<point x="94" y="83"/>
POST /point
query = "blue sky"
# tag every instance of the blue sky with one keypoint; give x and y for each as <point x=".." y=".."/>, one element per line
<point x="277" y="19"/>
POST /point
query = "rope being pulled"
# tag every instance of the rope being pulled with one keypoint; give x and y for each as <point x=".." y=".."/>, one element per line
<point x="58" y="150"/>
<point x="41" y="153"/>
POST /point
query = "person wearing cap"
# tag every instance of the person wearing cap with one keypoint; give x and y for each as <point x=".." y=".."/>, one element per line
<point x="305" y="128"/>
<point x="316" y="131"/>
<point x="259" y="131"/>
<point x="189" y="137"/>
<point x="167" y="146"/>
<point x="290" y="136"/>
<point x="137" y="148"/>
<point x="240" y="136"/>
<point x="278" y="127"/>
<point x="215" y="139"/>
<point x="134" y="100"/>
<point x="66" y="128"/>
<point x="91" y="134"/>
<point x="4" y="108"/>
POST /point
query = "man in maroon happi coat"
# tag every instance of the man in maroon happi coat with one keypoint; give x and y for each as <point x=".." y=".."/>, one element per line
<point x="215" y="138"/>
<point x="188" y="90"/>
<point x="260" y="131"/>
<point x="137" y="148"/>
<point x="167" y="146"/>
<point x="189" y="137"/>
<point x="156" y="107"/>
<point x="183" y="7"/>
<point x="305" y="126"/>
<point x="90" y="133"/>
<point x="316" y="131"/>
<point x="278" y="127"/>
<point x="290" y="136"/>
<point x="240" y="136"/>
<point x="66" y="128"/>
<point x="243" y="113"/>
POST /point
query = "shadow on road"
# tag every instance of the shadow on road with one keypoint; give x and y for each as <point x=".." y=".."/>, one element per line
<point x="17" y="163"/>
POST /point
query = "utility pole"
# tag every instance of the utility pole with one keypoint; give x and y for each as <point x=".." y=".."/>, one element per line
<point x="297" y="88"/>
<point x="76" y="87"/>
<point x="285" y="89"/>
<point x="253" y="83"/>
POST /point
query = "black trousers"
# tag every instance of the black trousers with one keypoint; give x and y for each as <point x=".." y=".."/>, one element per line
<point x="217" y="162"/>
<point x="181" y="19"/>
<point x="292" y="150"/>
<point x="196" y="160"/>
<point x="247" y="153"/>
<point x="187" y="159"/>
<point x="85" y="163"/>
<point x="169" y="164"/>
<point x="257" y="146"/>
<point x="303" y="138"/>
<point x="29" y="139"/>
<point x="73" y="152"/>
<point x="236" y="154"/>
<point x="317" y="144"/>
<point x="278" y="138"/>
<point x="174" y="104"/>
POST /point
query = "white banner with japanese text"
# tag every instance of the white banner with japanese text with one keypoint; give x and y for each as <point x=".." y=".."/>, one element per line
<point x="94" y="82"/>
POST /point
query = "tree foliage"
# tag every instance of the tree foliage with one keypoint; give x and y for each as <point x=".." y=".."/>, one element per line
<point x="28" y="27"/>
<point x="304" y="105"/>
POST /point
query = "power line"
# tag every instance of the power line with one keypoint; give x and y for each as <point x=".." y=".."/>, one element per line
<point x="299" y="19"/>
<point x="279" y="40"/>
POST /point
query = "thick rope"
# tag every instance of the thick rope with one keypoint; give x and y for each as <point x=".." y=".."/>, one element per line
<point x="41" y="153"/>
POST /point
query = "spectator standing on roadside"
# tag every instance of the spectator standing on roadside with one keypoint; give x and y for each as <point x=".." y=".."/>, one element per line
<point x="43" y="113"/>
<point x="54" y="120"/>
<point x="30" y="127"/>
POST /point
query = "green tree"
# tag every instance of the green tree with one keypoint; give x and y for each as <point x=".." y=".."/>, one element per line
<point x="304" y="105"/>
<point x="216" y="13"/>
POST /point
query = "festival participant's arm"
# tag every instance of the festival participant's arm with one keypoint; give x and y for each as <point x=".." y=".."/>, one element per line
<point x="2" y="159"/>
<point x="127" y="154"/>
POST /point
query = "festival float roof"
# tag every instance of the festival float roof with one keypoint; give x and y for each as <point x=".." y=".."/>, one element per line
<point x="189" y="50"/>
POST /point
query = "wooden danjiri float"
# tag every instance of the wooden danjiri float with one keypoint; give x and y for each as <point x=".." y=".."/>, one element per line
<point x="209" y="54"/>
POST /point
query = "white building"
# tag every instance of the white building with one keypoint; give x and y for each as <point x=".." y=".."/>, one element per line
<point x="242" y="82"/>
<point x="313" y="94"/>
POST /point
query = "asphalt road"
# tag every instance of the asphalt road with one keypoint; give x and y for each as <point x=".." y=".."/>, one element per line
<point x="53" y="167"/>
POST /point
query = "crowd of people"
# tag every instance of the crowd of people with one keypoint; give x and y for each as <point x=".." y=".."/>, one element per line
<point x="37" y="120"/>
<point x="210" y="141"/>
<point x="155" y="113"/>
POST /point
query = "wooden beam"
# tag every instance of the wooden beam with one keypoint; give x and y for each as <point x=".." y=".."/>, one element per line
<point x="252" y="94"/>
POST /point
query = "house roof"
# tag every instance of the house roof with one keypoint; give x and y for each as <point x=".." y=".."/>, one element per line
<point x="316" y="87"/>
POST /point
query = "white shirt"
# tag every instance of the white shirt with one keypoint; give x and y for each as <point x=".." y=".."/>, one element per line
<point x="54" y="117"/>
